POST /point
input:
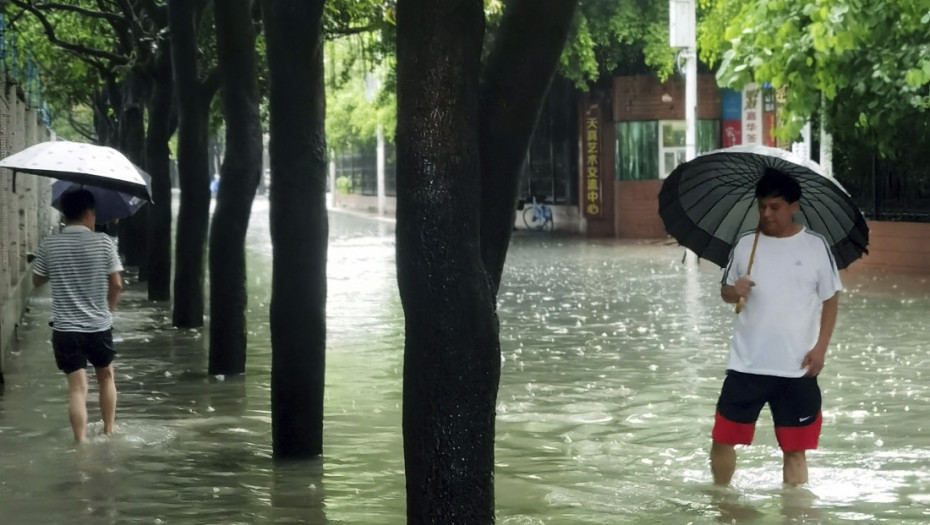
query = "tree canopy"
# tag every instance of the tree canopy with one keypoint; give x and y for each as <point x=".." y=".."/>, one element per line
<point x="863" y="67"/>
<point x="630" y="34"/>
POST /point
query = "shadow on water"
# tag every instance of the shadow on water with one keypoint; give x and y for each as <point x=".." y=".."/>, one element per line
<point x="612" y="358"/>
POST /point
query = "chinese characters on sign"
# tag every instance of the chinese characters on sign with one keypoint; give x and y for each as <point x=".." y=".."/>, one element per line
<point x="768" y="115"/>
<point x="752" y="115"/>
<point x="592" y="167"/>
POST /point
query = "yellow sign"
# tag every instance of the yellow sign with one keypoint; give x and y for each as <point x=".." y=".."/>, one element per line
<point x="592" y="164"/>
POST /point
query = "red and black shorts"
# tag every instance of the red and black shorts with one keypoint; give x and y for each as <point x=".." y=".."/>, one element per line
<point x="795" y="403"/>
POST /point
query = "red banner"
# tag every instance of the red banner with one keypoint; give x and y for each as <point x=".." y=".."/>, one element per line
<point x="732" y="133"/>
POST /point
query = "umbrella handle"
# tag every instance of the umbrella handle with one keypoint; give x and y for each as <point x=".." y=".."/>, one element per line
<point x="752" y="257"/>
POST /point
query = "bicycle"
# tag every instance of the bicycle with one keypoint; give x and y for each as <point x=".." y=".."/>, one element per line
<point x="537" y="216"/>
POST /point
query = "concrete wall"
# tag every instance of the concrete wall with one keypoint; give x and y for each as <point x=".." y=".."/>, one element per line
<point x="25" y="214"/>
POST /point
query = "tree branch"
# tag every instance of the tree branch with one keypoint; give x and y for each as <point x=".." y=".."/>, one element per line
<point x="53" y="6"/>
<point x="81" y="128"/>
<point x="347" y="31"/>
<point x="81" y="51"/>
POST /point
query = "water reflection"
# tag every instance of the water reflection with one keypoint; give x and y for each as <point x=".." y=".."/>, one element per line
<point x="613" y="356"/>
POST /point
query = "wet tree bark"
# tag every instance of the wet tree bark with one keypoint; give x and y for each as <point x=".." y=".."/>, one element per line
<point x="452" y="353"/>
<point x="157" y="164"/>
<point x="194" y="178"/>
<point x="450" y="257"/>
<point x="516" y="78"/>
<point x="299" y="224"/>
<point x="132" y="230"/>
<point x="239" y="177"/>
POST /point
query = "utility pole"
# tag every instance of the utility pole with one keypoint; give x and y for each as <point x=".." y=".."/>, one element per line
<point x="683" y="35"/>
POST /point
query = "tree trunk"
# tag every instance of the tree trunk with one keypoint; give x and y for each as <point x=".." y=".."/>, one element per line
<point x="193" y="175"/>
<point x="516" y="78"/>
<point x="240" y="172"/>
<point x="162" y="122"/>
<point x="449" y="259"/>
<point x="132" y="230"/>
<point x="106" y="105"/>
<point x="299" y="224"/>
<point x="452" y="353"/>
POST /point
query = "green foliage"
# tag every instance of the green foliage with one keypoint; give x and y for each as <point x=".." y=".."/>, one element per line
<point x="864" y="65"/>
<point x="69" y="83"/>
<point x="627" y="34"/>
<point x="343" y="185"/>
<point x="358" y="99"/>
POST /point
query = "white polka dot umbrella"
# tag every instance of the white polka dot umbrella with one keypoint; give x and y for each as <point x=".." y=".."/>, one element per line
<point x="81" y="163"/>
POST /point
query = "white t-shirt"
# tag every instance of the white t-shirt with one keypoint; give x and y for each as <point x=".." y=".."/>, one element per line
<point x="780" y="320"/>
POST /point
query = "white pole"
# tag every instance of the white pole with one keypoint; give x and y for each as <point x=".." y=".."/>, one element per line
<point x="690" y="55"/>
<point x="380" y="168"/>
<point x="332" y="181"/>
<point x="683" y="35"/>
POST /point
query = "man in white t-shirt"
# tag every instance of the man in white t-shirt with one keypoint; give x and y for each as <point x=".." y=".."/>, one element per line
<point x="84" y="270"/>
<point x="780" y="337"/>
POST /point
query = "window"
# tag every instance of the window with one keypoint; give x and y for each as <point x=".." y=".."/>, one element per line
<point x="652" y="149"/>
<point x="637" y="150"/>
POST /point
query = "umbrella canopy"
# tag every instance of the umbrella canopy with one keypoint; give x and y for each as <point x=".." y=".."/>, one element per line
<point x="108" y="204"/>
<point x="708" y="202"/>
<point x="84" y="164"/>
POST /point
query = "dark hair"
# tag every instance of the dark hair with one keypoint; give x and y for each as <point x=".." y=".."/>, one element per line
<point x="75" y="202"/>
<point x="776" y="183"/>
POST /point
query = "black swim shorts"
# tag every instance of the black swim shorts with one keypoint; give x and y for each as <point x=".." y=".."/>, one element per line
<point x="74" y="349"/>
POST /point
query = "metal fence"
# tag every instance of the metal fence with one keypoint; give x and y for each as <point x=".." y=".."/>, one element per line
<point x="886" y="189"/>
<point x="360" y="166"/>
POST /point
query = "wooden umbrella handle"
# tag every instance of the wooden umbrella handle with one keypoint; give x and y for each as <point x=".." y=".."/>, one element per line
<point x="752" y="256"/>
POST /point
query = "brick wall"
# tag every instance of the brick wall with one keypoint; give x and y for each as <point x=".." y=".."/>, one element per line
<point x="897" y="246"/>
<point x="637" y="205"/>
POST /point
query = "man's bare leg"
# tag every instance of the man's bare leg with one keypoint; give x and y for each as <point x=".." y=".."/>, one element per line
<point x="77" y="403"/>
<point x="107" y="387"/>
<point x="795" y="468"/>
<point x="722" y="463"/>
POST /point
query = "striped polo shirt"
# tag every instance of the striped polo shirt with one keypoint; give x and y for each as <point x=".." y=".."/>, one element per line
<point x="78" y="263"/>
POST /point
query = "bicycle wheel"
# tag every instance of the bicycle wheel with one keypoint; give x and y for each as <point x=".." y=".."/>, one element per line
<point x="533" y="219"/>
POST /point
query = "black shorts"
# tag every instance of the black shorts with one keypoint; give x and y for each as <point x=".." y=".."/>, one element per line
<point x="795" y="403"/>
<point x="74" y="349"/>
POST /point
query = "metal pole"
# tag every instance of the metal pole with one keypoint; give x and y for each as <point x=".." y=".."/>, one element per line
<point x="382" y="197"/>
<point x="690" y="55"/>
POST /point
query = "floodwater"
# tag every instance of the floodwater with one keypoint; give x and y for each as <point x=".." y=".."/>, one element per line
<point x="613" y="355"/>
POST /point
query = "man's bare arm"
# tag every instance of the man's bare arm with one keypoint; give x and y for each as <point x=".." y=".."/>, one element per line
<point x="732" y="293"/>
<point x="39" y="280"/>
<point x="114" y="288"/>
<point x="814" y="359"/>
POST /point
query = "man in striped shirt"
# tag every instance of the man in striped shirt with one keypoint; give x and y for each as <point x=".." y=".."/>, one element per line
<point x="84" y="270"/>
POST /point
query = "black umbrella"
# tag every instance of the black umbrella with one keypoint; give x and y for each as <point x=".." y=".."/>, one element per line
<point x="108" y="204"/>
<point x="707" y="203"/>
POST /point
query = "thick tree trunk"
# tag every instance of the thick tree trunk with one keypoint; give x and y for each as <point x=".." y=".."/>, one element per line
<point x="132" y="230"/>
<point x="194" y="177"/>
<point x="106" y="105"/>
<point x="514" y="84"/>
<point x="299" y="224"/>
<point x="241" y="170"/>
<point x="452" y="353"/>
<point x="162" y="123"/>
